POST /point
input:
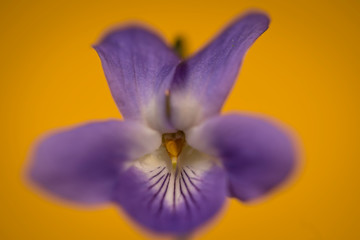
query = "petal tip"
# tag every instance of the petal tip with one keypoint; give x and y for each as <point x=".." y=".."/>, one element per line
<point x="259" y="18"/>
<point x="125" y="30"/>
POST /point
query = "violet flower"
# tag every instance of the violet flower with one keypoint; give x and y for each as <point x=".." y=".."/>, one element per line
<point x="173" y="160"/>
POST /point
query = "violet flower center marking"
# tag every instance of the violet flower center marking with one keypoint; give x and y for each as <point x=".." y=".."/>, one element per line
<point x="173" y="184"/>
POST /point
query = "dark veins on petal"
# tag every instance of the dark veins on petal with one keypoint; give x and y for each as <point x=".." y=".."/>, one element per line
<point x="183" y="189"/>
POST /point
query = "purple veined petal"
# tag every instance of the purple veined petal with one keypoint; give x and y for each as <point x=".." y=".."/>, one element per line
<point x="139" y="67"/>
<point x="172" y="200"/>
<point x="256" y="154"/>
<point x="202" y="83"/>
<point x="82" y="164"/>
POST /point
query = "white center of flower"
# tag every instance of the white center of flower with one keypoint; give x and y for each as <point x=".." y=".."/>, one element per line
<point x="174" y="172"/>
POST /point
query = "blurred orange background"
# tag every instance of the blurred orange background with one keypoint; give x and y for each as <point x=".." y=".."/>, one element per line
<point x="303" y="71"/>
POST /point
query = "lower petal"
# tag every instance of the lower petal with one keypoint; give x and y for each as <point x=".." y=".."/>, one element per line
<point x="257" y="155"/>
<point x="169" y="199"/>
<point x="82" y="164"/>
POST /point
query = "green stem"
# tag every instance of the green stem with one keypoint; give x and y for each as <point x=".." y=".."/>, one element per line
<point x="179" y="47"/>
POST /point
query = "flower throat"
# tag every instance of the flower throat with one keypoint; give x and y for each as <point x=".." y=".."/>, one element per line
<point x="174" y="143"/>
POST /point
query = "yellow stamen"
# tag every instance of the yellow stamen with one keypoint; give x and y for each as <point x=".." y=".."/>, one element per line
<point x="174" y="143"/>
<point x="173" y="148"/>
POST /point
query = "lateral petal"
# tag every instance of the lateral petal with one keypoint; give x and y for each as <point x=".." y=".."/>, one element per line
<point x="257" y="155"/>
<point x="82" y="164"/>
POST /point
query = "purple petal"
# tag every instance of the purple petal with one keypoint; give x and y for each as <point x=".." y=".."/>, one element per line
<point x="82" y="164"/>
<point x="175" y="201"/>
<point x="203" y="82"/>
<point x="139" y="68"/>
<point x="256" y="154"/>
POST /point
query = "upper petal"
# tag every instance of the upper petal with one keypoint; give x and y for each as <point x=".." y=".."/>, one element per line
<point x="82" y="164"/>
<point x="256" y="154"/>
<point x="139" y="67"/>
<point x="203" y="82"/>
